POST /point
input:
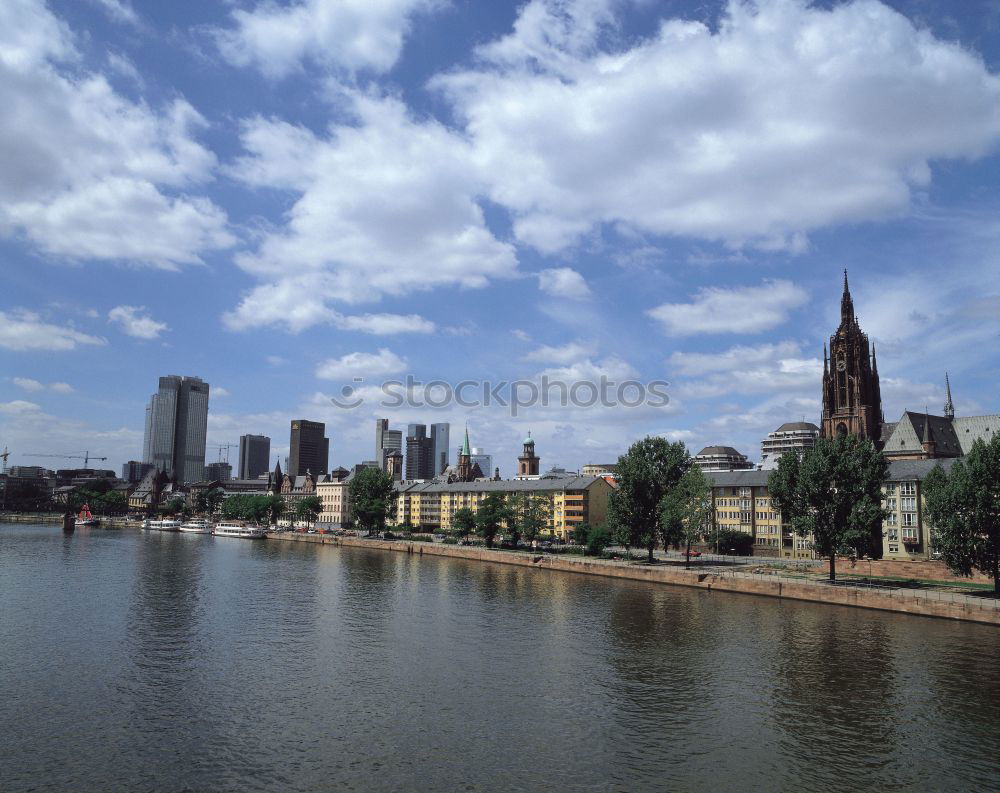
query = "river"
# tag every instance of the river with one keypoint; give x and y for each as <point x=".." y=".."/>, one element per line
<point x="149" y="661"/>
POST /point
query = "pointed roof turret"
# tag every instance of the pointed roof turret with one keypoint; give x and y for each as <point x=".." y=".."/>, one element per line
<point x="949" y="406"/>
<point x="927" y="427"/>
<point x="846" y="302"/>
<point x="826" y="369"/>
<point x="465" y="446"/>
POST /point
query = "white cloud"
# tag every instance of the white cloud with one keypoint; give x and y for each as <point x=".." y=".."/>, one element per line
<point x="361" y="364"/>
<point x="18" y="406"/>
<point x="119" y="10"/>
<point x="563" y="282"/>
<point x="349" y="34"/>
<point x="27" y="384"/>
<point x="25" y="330"/>
<point x="276" y="360"/>
<point x="85" y="173"/>
<point x="787" y="117"/>
<point x="385" y="324"/>
<point x="566" y="353"/>
<point x="748" y="309"/>
<point x="386" y="207"/>
<point x="135" y="322"/>
<point x="766" y="368"/>
<point x="612" y="367"/>
<point x="219" y="391"/>
<point x="30" y="385"/>
<point x="520" y="334"/>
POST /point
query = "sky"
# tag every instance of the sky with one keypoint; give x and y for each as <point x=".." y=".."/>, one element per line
<point x="300" y="200"/>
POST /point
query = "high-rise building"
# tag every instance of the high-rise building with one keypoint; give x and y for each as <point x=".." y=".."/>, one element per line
<point x="219" y="471"/>
<point x="419" y="453"/>
<point x="386" y="441"/>
<point x="721" y="458"/>
<point x="309" y="448"/>
<point x="852" y="399"/>
<point x="176" y="427"/>
<point x="381" y="427"/>
<point x="483" y="460"/>
<point x="440" y="434"/>
<point x="793" y="436"/>
<point x="134" y="470"/>
<point x="255" y="456"/>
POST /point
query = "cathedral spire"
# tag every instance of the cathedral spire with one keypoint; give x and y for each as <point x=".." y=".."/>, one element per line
<point x="846" y="303"/>
<point x="465" y="446"/>
<point x="949" y="406"/>
<point x="826" y="368"/>
<point x="874" y="362"/>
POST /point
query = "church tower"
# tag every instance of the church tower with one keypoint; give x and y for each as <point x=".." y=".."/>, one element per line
<point x="527" y="463"/>
<point x="466" y="470"/>
<point x="852" y="399"/>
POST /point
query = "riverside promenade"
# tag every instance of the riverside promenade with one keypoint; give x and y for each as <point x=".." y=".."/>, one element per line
<point x="927" y="603"/>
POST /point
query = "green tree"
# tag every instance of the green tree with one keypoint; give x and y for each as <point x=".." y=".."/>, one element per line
<point x="463" y="523"/>
<point x="493" y="513"/>
<point x="598" y="538"/>
<point x="174" y="506"/>
<point x="649" y="469"/>
<point x="833" y="492"/>
<point x="580" y="533"/>
<point x="213" y="498"/>
<point x="269" y="508"/>
<point x="963" y="506"/>
<point x="685" y="510"/>
<point x="531" y="515"/>
<point x="309" y="508"/>
<point x="235" y="507"/>
<point x="373" y="499"/>
<point x="740" y="543"/>
<point x="201" y="501"/>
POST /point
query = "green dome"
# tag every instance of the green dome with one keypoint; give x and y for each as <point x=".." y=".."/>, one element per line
<point x="529" y="441"/>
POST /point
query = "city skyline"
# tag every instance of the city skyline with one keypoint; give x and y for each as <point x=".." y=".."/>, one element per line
<point x="491" y="274"/>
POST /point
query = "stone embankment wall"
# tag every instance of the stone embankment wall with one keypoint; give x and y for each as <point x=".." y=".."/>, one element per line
<point x="956" y="607"/>
<point x="891" y="568"/>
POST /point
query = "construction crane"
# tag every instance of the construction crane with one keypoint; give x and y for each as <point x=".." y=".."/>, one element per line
<point x="227" y="447"/>
<point x="87" y="457"/>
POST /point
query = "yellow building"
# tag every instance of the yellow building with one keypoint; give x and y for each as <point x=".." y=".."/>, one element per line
<point x="570" y="499"/>
<point x="740" y="501"/>
<point x="336" y="503"/>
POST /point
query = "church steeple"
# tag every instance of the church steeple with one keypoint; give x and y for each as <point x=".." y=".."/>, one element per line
<point x="846" y="302"/>
<point x="949" y="406"/>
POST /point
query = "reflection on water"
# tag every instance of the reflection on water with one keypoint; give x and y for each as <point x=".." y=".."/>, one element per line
<point x="149" y="661"/>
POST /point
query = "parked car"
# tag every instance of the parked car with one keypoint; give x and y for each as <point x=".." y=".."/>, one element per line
<point x="691" y="554"/>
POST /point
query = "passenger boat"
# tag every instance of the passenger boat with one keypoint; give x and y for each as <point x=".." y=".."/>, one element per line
<point x="86" y="519"/>
<point x="196" y="526"/>
<point x="162" y="525"/>
<point x="239" y="530"/>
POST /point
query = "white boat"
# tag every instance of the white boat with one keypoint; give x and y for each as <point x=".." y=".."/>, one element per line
<point x="162" y="525"/>
<point x="197" y="526"/>
<point x="239" y="530"/>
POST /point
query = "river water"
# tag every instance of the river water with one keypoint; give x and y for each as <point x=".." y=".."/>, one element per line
<point x="135" y="661"/>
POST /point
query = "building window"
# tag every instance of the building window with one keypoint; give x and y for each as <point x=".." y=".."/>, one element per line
<point x="909" y="504"/>
<point x="909" y="519"/>
<point x="893" y="549"/>
<point x="893" y="535"/>
<point x="908" y="489"/>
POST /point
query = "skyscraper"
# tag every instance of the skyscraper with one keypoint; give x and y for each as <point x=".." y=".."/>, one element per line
<point x="309" y="448"/>
<point x="176" y="427"/>
<point x="419" y="453"/>
<point x="255" y="456"/>
<point x="381" y="427"/>
<point x="439" y="443"/>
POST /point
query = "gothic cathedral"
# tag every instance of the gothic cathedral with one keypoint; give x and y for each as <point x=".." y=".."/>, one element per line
<point x="852" y="400"/>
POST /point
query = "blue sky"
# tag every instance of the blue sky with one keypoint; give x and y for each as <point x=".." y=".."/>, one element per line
<point x="283" y="197"/>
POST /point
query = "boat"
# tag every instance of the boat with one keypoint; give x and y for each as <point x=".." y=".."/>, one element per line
<point x="85" y="518"/>
<point x="162" y="525"/>
<point x="196" y="526"/>
<point x="239" y="530"/>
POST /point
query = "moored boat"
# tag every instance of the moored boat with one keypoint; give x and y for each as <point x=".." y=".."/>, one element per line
<point x="233" y="529"/>
<point x="196" y="526"/>
<point x="85" y="518"/>
<point x="162" y="525"/>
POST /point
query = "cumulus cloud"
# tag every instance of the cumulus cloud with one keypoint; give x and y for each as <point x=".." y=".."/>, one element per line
<point x="563" y="282"/>
<point x="18" y="407"/>
<point x="748" y="309"/>
<point x="346" y="34"/>
<point x="136" y="322"/>
<point x="30" y="385"/>
<point x="564" y="354"/>
<point x="766" y="368"/>
<point x="219" y="391"/>
<point x="385" y="207"/>
<point x="25" y="330"/>
<point x="119" y="10"/>
<point x="361" y="364"/>
<point x="85" y="173"/>
<point x="785" y="118"/>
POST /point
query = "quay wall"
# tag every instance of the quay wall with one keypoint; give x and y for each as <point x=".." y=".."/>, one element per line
<point x="955" y="607"/>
